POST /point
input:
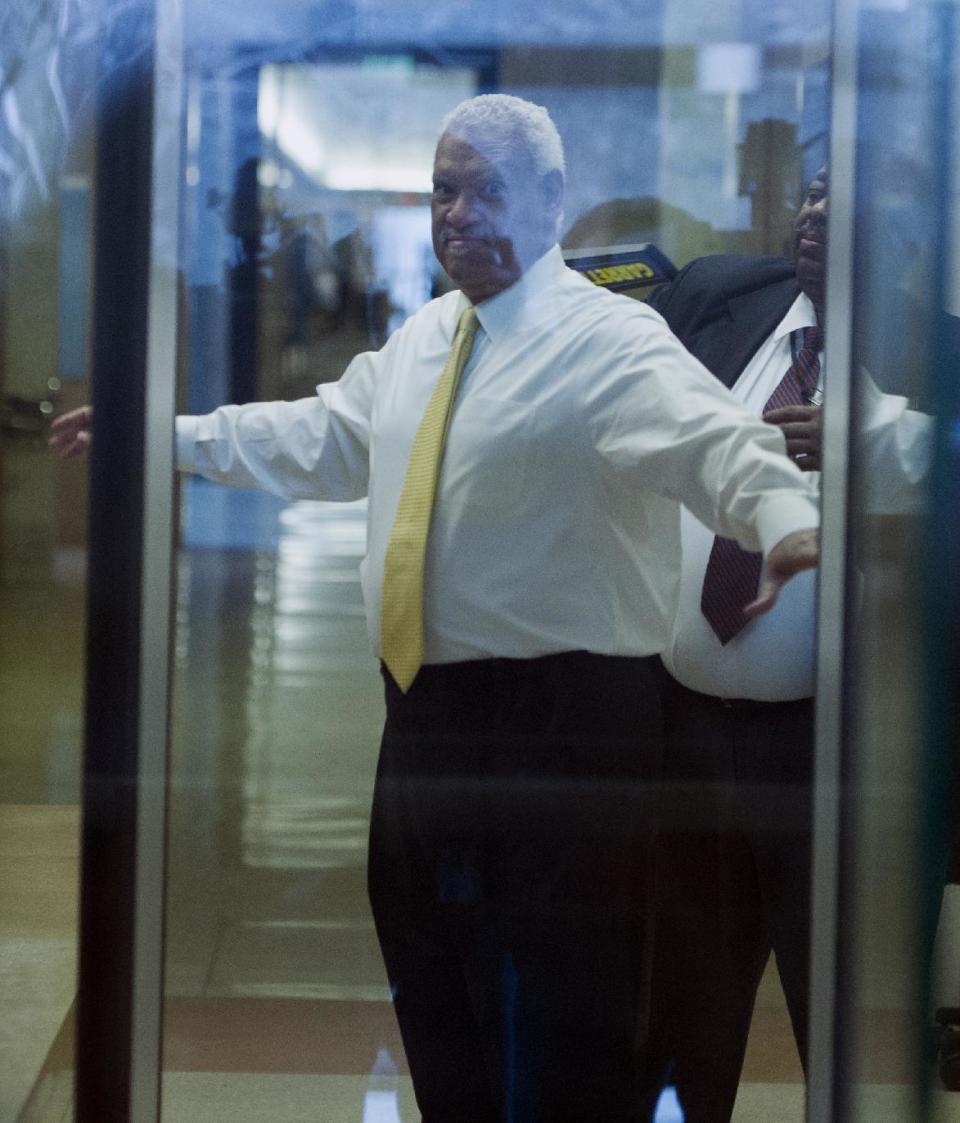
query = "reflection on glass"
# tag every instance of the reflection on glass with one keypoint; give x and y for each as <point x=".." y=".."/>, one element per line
<point x="44" y="259"/>
<point x="899" y="757"/>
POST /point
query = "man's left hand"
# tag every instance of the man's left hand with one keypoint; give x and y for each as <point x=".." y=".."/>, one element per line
<point x="798" y="551"/>
<point x="802" y="426"/>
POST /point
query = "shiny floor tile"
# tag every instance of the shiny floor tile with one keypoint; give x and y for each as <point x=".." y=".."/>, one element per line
<point x="277" y="714"/>
<point x="39" y="856"/>
<point x="275" y="1036"/>
<point x="877" y="1103"/>
<point x="215" y="1098"/>
<point x="300" y="959"/>
<point x="325" y="831"/>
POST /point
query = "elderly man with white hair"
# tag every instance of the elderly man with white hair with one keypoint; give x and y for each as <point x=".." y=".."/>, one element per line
<point x="525" y="443"/>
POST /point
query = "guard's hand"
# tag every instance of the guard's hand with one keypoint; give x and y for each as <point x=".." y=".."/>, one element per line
<point x="802" y="426"/>
<point x="798" y="551"/>
<point x="72" y="433"/>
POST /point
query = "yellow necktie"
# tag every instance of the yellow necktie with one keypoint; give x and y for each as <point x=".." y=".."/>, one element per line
<point x="401" y="610"/>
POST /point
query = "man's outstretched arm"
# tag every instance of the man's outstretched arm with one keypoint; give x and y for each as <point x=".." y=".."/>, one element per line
<point x="72" y="433"/>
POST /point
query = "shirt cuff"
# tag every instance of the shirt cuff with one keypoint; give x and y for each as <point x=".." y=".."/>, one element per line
<point x="782" y="515"/>
<point x="186" y="439"/>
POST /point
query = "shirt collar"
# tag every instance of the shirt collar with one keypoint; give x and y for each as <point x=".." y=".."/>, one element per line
<point x="523" y="302"/>
<point x="800" y="314"/>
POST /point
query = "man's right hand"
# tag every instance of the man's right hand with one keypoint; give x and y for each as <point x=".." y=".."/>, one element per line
<point x="790" y="556"/>
<point x="803" y="428"/>
<point x="72" y="433"/>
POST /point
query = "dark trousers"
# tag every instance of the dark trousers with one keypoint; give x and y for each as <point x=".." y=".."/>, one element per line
<point x="734" y="862"/>
<point x="510" y="879"/>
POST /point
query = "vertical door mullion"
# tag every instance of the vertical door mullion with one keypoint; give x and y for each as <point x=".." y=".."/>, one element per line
<point x="133" y="344"/>
<point x="825" y="1085"/>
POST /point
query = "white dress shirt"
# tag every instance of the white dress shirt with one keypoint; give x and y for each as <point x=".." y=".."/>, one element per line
<point x="579" y="426"/>
<point x="773" y="658"/>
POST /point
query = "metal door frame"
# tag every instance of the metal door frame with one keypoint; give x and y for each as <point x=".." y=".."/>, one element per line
<point x="130" y="581"/>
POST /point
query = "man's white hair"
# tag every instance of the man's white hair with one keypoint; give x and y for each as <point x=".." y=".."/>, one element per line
<point x="505" y="121"/>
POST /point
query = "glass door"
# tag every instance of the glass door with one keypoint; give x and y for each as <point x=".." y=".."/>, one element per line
<point x="203" y="210"/>
<point x="306" y="238"/>
<point x="45" y="180"/>
<point x="88" y="315"/>
<point x="886" y="926"/>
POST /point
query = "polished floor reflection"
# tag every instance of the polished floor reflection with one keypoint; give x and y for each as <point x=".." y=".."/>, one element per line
<point x="277" y="715"/>
<point x="39" y="856"/>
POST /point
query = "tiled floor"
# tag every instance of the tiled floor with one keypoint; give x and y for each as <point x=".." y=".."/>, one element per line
<point x="38" y="903"/>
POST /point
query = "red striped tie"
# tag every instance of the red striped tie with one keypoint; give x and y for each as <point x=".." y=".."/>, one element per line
<point x="733" y="574"/>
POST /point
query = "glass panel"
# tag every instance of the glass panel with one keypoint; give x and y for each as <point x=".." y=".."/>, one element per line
<point x="306" y="237"/>
<point x="45" y="170"/>
<point x="902" y="718"/>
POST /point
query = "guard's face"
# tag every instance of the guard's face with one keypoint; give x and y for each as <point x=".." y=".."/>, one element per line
<point x="492" y="217"/>
<point x="810" y="239"/>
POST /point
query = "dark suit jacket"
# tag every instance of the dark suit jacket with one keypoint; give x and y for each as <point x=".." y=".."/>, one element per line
<point x="722" y="308"/>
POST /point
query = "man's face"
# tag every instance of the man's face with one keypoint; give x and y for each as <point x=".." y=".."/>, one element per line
<point x="810" y="239"/>
<point x="492" y="216"/>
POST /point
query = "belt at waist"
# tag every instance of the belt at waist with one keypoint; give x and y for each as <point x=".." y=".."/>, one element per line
<point x="741" y="705"/>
